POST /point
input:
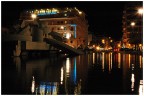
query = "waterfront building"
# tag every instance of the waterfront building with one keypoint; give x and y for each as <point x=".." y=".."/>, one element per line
<point x="69" y="23"/>
<point x="48" y="29"/>
<point x="132" y="26"/>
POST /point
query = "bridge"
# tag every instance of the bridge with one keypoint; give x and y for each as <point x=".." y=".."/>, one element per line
<point x="62" y="46"/>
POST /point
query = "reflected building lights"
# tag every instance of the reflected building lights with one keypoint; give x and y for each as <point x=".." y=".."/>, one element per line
<point x="140" y="60"/>
<point x="129" y="59"/>
<point x="103" y="61"/>
<point x="74" y="71"/>
<point x="93" y="58"/>
<point x="67" y="67"/>
<point x="141" y="88"/>
<point x="61" y="75"/>
<point x="111" y="59"/>
<point x="42" y="89"/>
<point x="33" y="85"/>
<point x="109" y="62"/>
<point x="132" y="82"/>
<point x="119" y="60"/>
<point x="132" y="67"/>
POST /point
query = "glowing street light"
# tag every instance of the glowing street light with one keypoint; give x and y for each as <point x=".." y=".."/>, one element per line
<point x="98" y="48"/>
<point x="80" y="12"/>
<point x="140" y="11"/>
<point x="62" y="27"/>
<point x="103" y="41"/>
<point x="119" y="45"/>
<point x="132" y="23"/>
<point x="34" y="16"/>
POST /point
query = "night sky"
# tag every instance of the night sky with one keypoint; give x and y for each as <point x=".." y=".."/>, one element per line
<point x="104" y="18"/>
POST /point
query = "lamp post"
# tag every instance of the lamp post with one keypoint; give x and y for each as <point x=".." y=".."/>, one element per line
<point x="140" y="13"/>
<point x="132" y="33"/>
<point x="33" y="16"/>
<point x="132" y="24"/>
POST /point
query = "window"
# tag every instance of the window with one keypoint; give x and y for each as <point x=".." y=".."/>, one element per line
<point x="65" y="22"/>
<point x="65" y="28"/>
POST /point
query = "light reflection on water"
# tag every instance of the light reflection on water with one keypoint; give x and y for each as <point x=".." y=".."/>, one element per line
<point x="69" y="75"/>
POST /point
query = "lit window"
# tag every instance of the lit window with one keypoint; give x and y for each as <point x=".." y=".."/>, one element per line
<point x="62" y="27"/>
<point x="65" y="22"/>
<point x="65" y="14"/>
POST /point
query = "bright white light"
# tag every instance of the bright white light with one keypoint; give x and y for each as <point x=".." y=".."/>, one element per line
<point x="62" y="75"/>
<point x="98" y="48"/>
<point x="132" y="82"/>
<point x="141" y="88"/>
<point x="68" y="67"/>
<point x="140" y="11"/>
<point x="34" y="16"/>
<point x="62" y="27"/>
<point x="68" y="35"/>
<point x="132" y="23"/>
<point x="80" y="12"/>
<point x="33" y="85"/>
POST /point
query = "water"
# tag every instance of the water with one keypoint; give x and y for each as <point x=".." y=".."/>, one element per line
<point x="95" y="73"/>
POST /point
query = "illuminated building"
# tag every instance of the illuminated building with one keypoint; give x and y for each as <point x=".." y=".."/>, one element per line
<point x="132" y="26"/>
<point x="69" y="23"/>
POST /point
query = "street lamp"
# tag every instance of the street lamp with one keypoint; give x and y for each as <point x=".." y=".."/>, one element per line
<point x="103" y="41"/>
<point x="132" y="24"/>
<point x="140" y="11"/>
<point x="34" y="16"/>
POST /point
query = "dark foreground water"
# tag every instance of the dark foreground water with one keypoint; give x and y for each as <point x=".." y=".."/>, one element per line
<point x="95" y="73"/>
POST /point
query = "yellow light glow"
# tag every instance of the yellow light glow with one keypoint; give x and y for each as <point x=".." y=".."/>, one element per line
<point x="80" y="12"/>
<point x="103" y="60"/>
<point x="109" y="62"/>
<point x="98" y="48"/>
<point x="140" y="60"/>
<point x="34" y="16"/>
<point x="140" y="45"/>
<point x="119" y="59"/>
<point x="103" y="41"/>
<point x="129" y="59"/>
<point x="93" y="58"/>
<point x="111" y="40"/>
<point x="119" y="45"/>
<point x="132" y="23"/>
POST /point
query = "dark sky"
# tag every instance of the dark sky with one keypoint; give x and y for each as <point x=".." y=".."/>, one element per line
<point x="104" y="18"/>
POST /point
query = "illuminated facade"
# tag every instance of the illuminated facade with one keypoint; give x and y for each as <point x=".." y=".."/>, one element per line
<point x="132" y="26"/>
<point x="69" y="23"/>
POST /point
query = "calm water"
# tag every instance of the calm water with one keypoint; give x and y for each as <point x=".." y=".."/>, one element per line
<point x="95" y="73"/>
